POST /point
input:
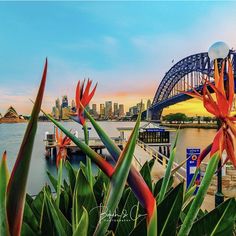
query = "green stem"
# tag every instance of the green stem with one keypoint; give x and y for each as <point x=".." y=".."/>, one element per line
<point x="88" y="160"/>
<point x="59" y="182"/>
<point x="197" y="202"/>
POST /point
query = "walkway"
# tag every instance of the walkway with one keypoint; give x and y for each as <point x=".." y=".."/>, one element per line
<point x="158" y="171"/>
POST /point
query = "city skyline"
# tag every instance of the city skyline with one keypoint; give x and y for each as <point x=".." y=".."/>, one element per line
<point x="63" y="108"/>
<point x="106" y="41"/>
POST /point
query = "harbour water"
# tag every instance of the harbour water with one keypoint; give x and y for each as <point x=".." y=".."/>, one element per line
<point x="11" y="136"/>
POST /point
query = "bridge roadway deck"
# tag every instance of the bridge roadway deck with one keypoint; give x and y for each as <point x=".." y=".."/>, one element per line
<point x="158" y="171"/>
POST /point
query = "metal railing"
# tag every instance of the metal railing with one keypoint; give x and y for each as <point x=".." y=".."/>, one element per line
<point x="162" y="159"/>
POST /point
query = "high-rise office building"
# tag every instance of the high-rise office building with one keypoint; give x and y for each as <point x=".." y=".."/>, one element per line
<point x="58" y="104"/>
<point x="94" y="110"/>
<point x="141" y="107"/>
<point x="73" y="106"/>
<point x="102" y="110"/>
<point x="116" y="109"/>
<point x="121" y="110"/>
<point x="64" y="101"/>
<point x="133" y="110"/>
<point x="108" y="109"/>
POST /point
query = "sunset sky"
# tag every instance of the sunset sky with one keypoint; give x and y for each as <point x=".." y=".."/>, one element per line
<point x="126" y="47"/>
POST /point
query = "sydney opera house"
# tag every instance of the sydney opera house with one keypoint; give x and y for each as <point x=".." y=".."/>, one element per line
<point x="11" y="116"/>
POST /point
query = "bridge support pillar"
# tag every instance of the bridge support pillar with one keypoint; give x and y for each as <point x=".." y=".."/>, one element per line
<point x="155" y="115"/>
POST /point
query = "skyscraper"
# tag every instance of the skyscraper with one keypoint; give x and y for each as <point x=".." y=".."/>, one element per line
<point x="58" y="104"/>
<point x="102" y="110"/>
<point x="94" y="110"/>
<point x="121" y="110"/>
<point x="116" y="109"/>
<point x="64" y="101"/>
<point x="108" y="109"/>
<point x="73" y="106"/>
<point x="141" y="107"/>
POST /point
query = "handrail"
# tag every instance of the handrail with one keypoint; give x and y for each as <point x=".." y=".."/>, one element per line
<point x="162" y="159"/>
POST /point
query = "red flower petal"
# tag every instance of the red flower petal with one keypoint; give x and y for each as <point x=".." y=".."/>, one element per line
<point x="218" y="143"/>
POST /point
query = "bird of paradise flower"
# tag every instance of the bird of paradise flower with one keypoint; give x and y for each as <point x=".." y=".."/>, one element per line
<point x="62" y="142"/>
<point x="225" y="138"/>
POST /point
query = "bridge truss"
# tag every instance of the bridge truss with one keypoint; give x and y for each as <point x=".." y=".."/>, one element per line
<point x="184" y="75"/>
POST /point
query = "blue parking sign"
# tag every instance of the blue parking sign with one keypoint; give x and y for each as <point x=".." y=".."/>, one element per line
<point x="192" y="155"/>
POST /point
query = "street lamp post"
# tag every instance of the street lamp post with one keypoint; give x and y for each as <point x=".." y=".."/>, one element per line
<point x="218" y="51"/>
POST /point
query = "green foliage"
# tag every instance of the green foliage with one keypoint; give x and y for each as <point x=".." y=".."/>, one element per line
<point x="176" y="117"/>
<point x="220" y="221"/>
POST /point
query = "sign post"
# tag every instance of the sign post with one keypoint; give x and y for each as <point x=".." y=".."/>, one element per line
<point x="192" y="155"/>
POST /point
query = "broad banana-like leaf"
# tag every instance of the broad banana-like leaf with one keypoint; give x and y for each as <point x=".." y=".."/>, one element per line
<point x="18" y="180"/>
<point x="219" y="221"/>
<point x="4" y="177"/>
<point x="118" y="181"/>
<point x="168" y="171"/>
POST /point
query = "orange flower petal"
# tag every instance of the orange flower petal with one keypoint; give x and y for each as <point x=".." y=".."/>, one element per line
<point x="218" y="143"/>
<point x="231" y="84"/>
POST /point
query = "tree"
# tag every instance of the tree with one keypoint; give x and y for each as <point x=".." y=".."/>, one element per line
<point x="177" y="117"/>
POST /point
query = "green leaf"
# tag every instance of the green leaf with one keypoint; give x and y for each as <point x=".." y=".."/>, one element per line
<point x="84" y="197"/>
<point x="118" y="181"/>
<point x="82" y="226"/>
<point x="169" y="210"/>
<point x="128" y="215"/>
<point x="62" y="226"/>
<point x="71" y="174"/>
<point x="198" y="199"/>
<point x="19" y="175"/>
<point x="146" y="173"/>
<point x="100" y="187"/>
<point x="168" y="171"/>
<point x="30" y="219"/>
<point x="53" y="180"/>
<point x="158" y="185"/>
<point x="59" y="183"/>
<point x="26" y="230"/>
<point x="38" y="207"/>
<point x="4" y="177"/>
<point x="189" y="193"/>
<point x="88" y="160"/>
<point x="140" y="229"/>
<point x="219" y="221"/>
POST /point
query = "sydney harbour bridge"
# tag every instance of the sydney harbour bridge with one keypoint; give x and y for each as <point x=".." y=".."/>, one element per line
<point x="184" y="75"/>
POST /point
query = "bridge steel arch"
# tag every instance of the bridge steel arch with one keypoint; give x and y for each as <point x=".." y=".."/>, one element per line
<point x="199" y="63"/>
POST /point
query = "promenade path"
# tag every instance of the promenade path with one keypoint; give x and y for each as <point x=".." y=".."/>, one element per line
<point x="158" y="171"/>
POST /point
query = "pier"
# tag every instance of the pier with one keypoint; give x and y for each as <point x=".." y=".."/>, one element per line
<point x="95" y="143"/>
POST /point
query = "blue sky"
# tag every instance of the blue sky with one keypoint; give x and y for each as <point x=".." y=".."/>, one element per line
<point x="124" y="46"/>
